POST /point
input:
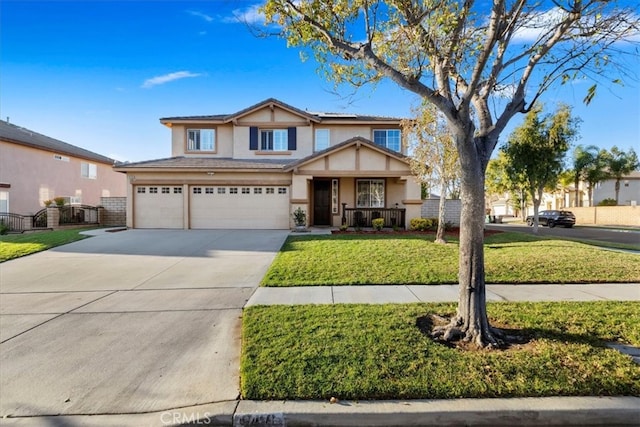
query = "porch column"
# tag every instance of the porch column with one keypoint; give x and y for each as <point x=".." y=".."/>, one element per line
<point x="413" y="200"/>
<point x="300" y="185"/>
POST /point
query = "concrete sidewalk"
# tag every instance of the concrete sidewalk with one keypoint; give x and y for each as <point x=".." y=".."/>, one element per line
<point x="441" y="293"/>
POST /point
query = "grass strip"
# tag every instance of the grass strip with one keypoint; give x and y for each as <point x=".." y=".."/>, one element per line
<point x="18" y="245"/>
<point x="361" y="352"/>
<point x="414" y="259"/>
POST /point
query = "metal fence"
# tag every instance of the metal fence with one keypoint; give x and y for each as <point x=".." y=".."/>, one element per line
<point x="81" y="214"/>
<point x="13" y="222"/>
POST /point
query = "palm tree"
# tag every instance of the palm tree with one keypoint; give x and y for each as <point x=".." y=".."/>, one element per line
<point x="621" y="163"/>
<point x="584" y="158"/>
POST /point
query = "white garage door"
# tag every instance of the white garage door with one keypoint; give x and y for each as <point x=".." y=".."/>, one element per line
<point x="258" y="207"/>
<point x="158" y="207"/>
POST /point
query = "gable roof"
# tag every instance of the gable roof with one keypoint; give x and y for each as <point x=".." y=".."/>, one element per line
<point x="22" y="136"/>
<point x="316" y="117"/>
<point x="358" y="140"/>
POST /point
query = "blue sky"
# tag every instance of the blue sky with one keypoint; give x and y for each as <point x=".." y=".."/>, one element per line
<point x="100" y="74"/>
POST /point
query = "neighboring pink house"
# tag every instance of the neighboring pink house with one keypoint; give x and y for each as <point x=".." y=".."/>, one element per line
<point x="35" y="168"/>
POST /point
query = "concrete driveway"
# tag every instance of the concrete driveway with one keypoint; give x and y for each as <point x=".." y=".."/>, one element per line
<point x="128" y="322"/>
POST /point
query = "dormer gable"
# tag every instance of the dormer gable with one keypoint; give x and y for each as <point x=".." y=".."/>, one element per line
<point x="269" y="110"/>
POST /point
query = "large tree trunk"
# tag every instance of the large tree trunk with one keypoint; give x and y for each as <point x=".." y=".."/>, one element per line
<point x="617" y="188"/>
<point x="470" y="324"/>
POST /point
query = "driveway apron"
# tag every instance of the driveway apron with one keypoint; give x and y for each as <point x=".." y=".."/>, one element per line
<point x="128" y="322"/>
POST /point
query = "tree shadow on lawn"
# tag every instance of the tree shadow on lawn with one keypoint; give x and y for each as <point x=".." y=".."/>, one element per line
<point x="516" y="339"/>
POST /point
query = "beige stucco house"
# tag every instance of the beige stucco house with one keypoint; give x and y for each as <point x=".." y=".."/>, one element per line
<point x="253" y="168"/>
<point x="35" y="168"/>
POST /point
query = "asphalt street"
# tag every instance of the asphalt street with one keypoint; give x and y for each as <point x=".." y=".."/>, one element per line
<point x="611" y="235"/>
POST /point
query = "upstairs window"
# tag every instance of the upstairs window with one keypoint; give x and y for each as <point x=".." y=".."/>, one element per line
<point x="388" y="138"/>
<point x="273" y="140"/>
<point x="88" y="170"/>
<point x="201" y="139"/>
<point x="322" y="139"/>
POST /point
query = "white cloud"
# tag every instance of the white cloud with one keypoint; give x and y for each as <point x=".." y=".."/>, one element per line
<point x="159" y="80"/>
<point x="200" y="15"/>
<point x="247" y="15"/>
<point x="540" y="23"/>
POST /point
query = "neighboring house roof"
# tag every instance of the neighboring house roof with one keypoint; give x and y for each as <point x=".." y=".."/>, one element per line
<point x="271" y="102"/>
<point x="209" y="163"/>
<point x="22" y="136"/>
<point x="349" y="142"/>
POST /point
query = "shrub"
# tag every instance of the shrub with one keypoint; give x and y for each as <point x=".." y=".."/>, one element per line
<point x="378" y="223"/>
<point x="418" y="224"/>
<point x="59" y="201"/>
<point x="4" y="228"/>
<point x="48" y="203"/>
<point x="299" y="217"/>
<point x="426" y="224"/>
<point x="608" y="202"/>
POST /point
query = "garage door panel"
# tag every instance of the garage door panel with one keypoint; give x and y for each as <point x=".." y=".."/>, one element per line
<point x="158" y="209"/>
<point x="219" y="208"/>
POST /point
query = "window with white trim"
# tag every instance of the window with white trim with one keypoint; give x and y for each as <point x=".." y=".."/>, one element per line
<point x="197" y="190"/>
<point x="246" y="190"/>
<point x="274" y="139"/>
<point x="88" y="170"/>
<point x="201" y="140"/>
<point x="322" y="139"/>
<point x="233" y="190"/>
<point x="257" y="190"/>
<point x="4" y="201"/>
<point x="177" y="190"/>
<point x="142" y="190"/>
<point x="269" y="190"/>
<point x="166" y="190"/>
<point x="153" y="190"/>
<point x="282" y="190"/>
<point x="370" y="193"/>
<point x="388" y="138"/>
<point x="221" y="190"/>
<point x="208" y="190"/>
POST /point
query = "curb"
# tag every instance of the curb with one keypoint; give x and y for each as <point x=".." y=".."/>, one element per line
<point x="541" y="411"/>
<point x="547" y="411"/>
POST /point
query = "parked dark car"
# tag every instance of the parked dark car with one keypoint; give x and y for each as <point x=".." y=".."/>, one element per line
<point x="553" y="218"/>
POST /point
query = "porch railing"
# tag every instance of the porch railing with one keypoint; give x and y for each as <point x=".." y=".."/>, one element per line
<point x="362" y="217"/>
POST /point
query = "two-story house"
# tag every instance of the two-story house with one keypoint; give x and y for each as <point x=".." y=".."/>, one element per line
<point x="35" y="168"/>
<point x="253" y="168"/>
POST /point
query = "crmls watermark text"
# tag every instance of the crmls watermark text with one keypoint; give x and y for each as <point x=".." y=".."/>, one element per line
<point x="180" y="418"/>
<point x="262" y="420"/>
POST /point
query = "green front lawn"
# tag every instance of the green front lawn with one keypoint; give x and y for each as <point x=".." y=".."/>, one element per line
<point x="17" y="245"/>
<point x="378" y="352"/>
<point x="414" y="259"/>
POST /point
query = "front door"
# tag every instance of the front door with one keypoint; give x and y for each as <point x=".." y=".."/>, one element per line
<point x="322" y="202"/>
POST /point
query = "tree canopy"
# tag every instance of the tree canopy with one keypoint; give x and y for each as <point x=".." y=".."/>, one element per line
<point x="536" y="150"/>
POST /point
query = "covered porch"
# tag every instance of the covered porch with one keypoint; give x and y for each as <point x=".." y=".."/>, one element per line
<point x="354" y="183"/>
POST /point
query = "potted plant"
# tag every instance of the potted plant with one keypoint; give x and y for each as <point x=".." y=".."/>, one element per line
<point x="299" y="218"/>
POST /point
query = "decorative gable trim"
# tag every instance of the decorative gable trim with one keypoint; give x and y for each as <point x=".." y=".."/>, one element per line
<point x="357" y="142"/>
<point x="272" y="103"/>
